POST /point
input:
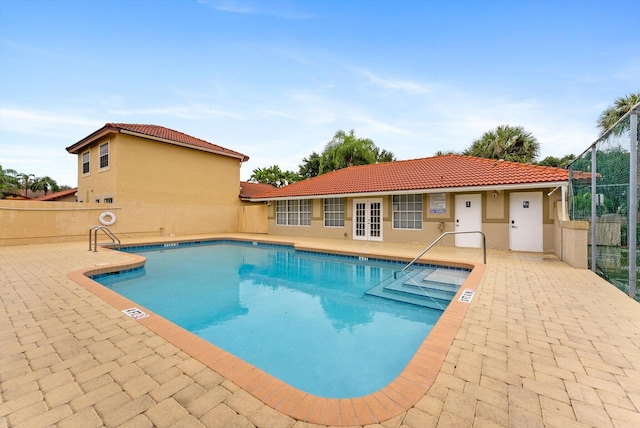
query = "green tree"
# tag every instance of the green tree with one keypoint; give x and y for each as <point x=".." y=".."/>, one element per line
<point x="9" y="183"/>
<point x="273" y="175"/>
<point x="310" y="166"/>
<point x="613" y="113"/>
<point x="345" y="150"/>
<point x="510" y="143"/>
<point x="445" y="152"/>
<point x="562" y="162"/>
<point x="45" y="183"/>
<point x="385" y="156"/>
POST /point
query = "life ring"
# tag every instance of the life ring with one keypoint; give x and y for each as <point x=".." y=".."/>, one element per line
<point x="104" y="215"/>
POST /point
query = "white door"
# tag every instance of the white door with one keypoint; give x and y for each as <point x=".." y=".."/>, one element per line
<point x="525" y="221"/>
<point x="367" y="219"/>
<point x="468" y="218"/>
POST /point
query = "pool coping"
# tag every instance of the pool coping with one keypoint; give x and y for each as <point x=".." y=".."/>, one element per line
<point x="392" y="400"/>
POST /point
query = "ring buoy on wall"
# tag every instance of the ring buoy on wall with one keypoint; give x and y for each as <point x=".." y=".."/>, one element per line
<point x="107" y="218"/>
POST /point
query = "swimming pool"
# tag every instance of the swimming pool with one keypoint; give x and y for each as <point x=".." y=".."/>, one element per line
<point x="302" y="317"/>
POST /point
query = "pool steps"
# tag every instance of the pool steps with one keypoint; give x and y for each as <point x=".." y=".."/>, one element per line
<point x="428" y="287"/>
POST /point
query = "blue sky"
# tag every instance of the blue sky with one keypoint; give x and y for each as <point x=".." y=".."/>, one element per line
<point x="276" y="79"/>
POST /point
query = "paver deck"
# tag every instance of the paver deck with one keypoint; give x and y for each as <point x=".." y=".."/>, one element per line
<point x="541" y="344"/>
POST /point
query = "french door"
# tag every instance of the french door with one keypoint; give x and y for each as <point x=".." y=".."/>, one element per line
<point x="367" y="219"/>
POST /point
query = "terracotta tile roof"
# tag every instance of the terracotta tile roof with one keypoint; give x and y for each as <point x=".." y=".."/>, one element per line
<point x="157" y="133"/>
<point x="440" y="172"/>
<point x="249" y="190"/>
<point x="57" y="195"/>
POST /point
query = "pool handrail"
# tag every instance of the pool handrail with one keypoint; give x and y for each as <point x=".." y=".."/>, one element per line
<point x="484" y="246"/>
<point x="106" y="230"/>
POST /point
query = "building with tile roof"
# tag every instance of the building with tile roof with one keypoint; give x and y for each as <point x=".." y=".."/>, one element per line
<point x="68" y="195"/>
<point x="248" y="189"/>
<point x="156" y="133"/>
<point x="417" y="200"/>
<point x="159" y="181"/>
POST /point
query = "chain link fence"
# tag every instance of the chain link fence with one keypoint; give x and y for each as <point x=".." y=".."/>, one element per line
<point x="603" y="190"/>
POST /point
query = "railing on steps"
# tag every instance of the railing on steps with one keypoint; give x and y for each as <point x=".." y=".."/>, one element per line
<point x="412" y="280"/>
<point x="93" y="243"/>
<point x="484" y="248"/>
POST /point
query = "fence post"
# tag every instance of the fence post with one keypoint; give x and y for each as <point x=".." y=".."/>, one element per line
<point x="594" y="200"/>
<point x="633" y="203"/>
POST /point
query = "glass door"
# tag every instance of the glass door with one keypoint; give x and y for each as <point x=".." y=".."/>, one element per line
<point x="367" y="219"/>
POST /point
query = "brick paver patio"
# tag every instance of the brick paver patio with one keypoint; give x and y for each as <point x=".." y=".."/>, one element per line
<point x="542" y="344"/>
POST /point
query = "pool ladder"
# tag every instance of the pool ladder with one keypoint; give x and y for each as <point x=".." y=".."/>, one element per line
<point x="404" y="269"/>
<point x="93" y="243"/>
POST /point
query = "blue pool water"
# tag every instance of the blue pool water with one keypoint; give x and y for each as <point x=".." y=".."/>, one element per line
<point x="302" y="317"/>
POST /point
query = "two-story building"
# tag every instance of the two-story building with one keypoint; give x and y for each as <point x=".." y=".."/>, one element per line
<point x="159" y="181"/>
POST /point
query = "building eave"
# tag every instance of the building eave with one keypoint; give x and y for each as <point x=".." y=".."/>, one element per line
<point x="463" y="189"/>
<point x="107" y="130"/>
<point x="189" y="146"/>
<point x="88" y="140"/>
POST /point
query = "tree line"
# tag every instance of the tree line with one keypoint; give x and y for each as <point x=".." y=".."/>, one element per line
<point x="13" y="183"/>
<point x="345" y="149"/>
<point x="510" y="143"/>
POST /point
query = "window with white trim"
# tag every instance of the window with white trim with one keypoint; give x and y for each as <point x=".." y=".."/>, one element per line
<point x="334" y="212"/>
<point x="407" y="211"/>
<point x="85" y="162"/>
<point x="295" y="212"/>
<point x="104" y="155"/>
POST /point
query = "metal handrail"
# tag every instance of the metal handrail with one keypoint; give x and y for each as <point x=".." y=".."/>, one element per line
<point x="484" y="247"/>
<point x="403" y="270"/>
<point x="106" y="231"/>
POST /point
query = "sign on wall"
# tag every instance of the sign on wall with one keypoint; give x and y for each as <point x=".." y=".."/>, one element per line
<point x="438" y="203"/>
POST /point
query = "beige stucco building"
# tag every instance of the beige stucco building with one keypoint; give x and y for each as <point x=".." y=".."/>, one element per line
<point x="169" y="182"/>
<point x="147" y="180"/>
<point x="512" y="204"/>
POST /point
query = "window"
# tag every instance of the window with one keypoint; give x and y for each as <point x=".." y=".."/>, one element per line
<point x="107" y="200"/>
<point x="104" y="155"/>
<point x="296" y="212"/>
<point x="85" y="163"/>
<point x="334" y="212"/>
<point x="407" y="211"/>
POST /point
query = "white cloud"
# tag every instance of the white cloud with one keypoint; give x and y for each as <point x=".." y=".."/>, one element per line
<point x="43" y="123"/>
<point x="269" y="112"/>
<point x="278" y="8"/>
<point x="182" y="112"/>
<point x="407" y="86"/>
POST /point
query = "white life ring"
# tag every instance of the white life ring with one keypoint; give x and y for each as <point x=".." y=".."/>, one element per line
<point x="110" y="215"/>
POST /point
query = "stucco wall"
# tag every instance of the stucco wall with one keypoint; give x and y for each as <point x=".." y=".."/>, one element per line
<point x="29" y="222"/>
<point x="158" y="189"/>
<point x="26" y="222"/>
<point x="571" y="239"/>
<point x="495" y="221"/>
<point x="159" y="173"/>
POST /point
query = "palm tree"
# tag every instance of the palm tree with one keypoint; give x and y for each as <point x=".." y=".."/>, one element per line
<point x="511" y="143"/>
<point x="45" y="183"/>
<point x="612" y="114"/>
<point x="26" y="182"/>
<point x="345" y="150"/>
